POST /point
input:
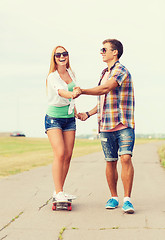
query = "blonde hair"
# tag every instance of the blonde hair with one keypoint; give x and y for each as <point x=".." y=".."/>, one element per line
<point x="53" y="64"/>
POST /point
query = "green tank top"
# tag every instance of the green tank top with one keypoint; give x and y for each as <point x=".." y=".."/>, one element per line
<point x="61" y="112"/>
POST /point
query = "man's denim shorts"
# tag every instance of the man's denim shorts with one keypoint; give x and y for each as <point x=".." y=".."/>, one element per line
<point x="121" y="142"/>
<point x="65" y="124"/>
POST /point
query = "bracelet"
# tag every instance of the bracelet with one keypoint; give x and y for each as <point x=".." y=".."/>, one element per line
<point x="88" y="114"/>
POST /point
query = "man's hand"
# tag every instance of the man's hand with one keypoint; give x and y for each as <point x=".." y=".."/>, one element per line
<point x="76" y="92"/>
<point x="82" y="116"/>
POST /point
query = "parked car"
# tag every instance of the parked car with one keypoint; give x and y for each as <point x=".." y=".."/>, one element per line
<point x="17" y="134"/>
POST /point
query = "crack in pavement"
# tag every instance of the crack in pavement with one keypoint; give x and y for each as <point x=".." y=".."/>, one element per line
<point x="65" y="229"/>
<point x="124" y="228"/>
<point x="114" y="228"/>
<point x="11" y="221"/>
<point x="16" y="217"/>
<point x="3" y="237"/>
<point x="60" y="237"/>
<point x="45" y="204"/>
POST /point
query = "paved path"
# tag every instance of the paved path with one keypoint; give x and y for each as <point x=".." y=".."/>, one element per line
<point x="25" y="205"/>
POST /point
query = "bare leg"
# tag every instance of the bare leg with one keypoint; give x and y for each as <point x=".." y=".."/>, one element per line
<point x="57" y="142"/>
<point x="127" y="174"/>
<point x="112" y="177"/>
<point x="69" y="139"/>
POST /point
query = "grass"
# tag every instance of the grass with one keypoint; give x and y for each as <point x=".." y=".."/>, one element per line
<point x="22" y="154"/>
<point x="60" y="237"/>
<point x="161" y="152"/>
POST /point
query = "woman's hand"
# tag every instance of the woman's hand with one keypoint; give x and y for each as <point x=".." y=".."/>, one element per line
<point x="76" y="92"/>
<point x="82" y="116"/>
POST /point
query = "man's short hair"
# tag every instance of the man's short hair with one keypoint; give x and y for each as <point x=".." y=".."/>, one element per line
<point x="116" y="45"/>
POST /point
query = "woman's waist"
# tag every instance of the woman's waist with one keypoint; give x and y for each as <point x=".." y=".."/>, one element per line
<point x="59" y="112"/>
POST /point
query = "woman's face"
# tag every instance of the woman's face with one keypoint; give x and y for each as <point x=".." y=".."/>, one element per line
<point x="61" y="56"/>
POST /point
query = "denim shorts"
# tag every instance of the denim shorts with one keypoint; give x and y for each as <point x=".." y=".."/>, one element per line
<point x="119" y="142"/>
<point x="65" y="124"/>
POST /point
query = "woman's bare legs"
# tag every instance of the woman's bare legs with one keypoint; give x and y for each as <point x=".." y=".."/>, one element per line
<point x="69" y="139"/>
<point x="62" y="144"/>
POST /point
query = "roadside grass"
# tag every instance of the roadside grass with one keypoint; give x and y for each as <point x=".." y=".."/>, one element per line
<point x="22" y="154"/>
<point x="161" y="152"/>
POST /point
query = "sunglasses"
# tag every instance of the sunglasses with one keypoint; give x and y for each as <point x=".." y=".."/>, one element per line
<point x="58" y="55"/>
<point x="103" y="50"/>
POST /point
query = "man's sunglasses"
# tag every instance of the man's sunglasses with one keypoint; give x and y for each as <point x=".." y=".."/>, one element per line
<point x="58" y="55"/>
<point x="103" y="50"/>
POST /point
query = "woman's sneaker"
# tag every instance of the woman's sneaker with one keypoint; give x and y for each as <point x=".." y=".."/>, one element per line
<point x="70" y="197"/>
<point x="128" y="207"/>
<point x="60" y="197"/>
<point x="111" y="204"/>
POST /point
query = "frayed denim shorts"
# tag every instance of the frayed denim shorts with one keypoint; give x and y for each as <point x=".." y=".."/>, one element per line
<point x="65" y="124"/>
<point x="117" y="143"/>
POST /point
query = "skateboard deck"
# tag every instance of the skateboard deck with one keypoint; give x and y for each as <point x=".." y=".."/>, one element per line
<point x="62" y="205"/>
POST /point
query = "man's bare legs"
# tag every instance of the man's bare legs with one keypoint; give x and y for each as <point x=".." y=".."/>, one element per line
<point x="112" y="177"/>
<point x="127" y="175"/>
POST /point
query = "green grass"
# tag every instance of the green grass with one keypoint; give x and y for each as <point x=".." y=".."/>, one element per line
<point x="22" y="154"/>
<point x="10" y="146"/>
<point x="161" y="152"/>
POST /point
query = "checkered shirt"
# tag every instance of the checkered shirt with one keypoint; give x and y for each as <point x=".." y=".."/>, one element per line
<point x="118" y="104"/>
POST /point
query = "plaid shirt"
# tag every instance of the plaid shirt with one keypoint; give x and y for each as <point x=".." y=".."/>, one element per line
<point x="118" y="104"/>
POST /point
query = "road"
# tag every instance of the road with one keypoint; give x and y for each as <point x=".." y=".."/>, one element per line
<point x="25" y="200"/>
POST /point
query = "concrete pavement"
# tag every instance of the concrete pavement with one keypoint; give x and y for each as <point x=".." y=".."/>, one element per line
<point x="25" y="202"/>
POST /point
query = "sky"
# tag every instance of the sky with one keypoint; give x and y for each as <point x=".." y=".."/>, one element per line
<point x="30" y="30"/>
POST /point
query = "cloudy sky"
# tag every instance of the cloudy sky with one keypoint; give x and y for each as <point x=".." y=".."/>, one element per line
<point x="29" y="31"/>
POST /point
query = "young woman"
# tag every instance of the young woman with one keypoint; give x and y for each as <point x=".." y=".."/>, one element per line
<point x="60" y="122"/>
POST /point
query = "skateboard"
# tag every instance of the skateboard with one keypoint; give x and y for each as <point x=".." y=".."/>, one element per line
<point x="67" y="205"/>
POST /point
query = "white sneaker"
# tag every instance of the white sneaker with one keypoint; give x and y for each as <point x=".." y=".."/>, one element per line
<point x="60" y="197"/>
<point x="69" y="196"/>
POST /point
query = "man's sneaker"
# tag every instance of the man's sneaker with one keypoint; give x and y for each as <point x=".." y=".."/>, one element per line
<point x="60" y="197"/>
<point x="112" y="203"/>
<point x="128" y="207"/>
<point x="70" y="196"/>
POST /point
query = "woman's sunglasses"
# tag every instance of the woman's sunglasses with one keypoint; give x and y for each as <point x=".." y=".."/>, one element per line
<point x="58" y="55"/>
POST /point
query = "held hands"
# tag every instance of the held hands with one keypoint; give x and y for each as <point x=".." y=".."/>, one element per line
<point x="82" y="116"/>
<point x="76" y="92"/>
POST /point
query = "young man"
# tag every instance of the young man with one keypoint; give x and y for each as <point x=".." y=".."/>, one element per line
<point x="115" y="111"/>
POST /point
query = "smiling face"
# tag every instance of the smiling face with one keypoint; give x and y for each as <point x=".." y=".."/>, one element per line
<point x="61" y="57"/>
<point x="108" y="55"/>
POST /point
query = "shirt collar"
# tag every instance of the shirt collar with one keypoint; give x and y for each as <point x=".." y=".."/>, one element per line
<point x="114" y="65"/>
<point x="106" y="69"/>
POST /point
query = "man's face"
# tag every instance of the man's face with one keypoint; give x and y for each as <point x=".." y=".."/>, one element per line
<point x="107" y="53"/>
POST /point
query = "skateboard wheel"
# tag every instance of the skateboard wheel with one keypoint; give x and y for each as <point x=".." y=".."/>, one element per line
<point x="69" y="208"/>
<point x="53" y="207"/>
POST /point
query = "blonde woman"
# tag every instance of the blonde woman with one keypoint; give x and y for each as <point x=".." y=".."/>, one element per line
<point x="60" y="122"/>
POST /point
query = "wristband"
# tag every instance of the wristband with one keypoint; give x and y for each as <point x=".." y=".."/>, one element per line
<point x="88" y="114"/>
